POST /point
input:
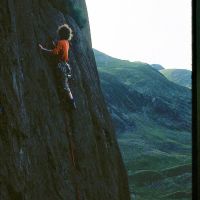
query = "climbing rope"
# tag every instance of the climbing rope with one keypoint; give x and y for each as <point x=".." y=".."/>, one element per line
<point x="73" y="159"/>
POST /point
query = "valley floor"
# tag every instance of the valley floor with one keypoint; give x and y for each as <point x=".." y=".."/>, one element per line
<point x="158" y="162"/>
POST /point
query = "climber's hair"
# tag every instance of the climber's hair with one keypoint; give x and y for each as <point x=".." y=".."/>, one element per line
<point x="65" y="32"/>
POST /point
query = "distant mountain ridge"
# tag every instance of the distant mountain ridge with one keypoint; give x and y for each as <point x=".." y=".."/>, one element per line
<point x="161" y="97"/>
<point x="157" y="66"/>
<point x="179" y="76"/>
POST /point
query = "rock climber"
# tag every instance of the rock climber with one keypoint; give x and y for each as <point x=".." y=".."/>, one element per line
<point x="61" y="50"/>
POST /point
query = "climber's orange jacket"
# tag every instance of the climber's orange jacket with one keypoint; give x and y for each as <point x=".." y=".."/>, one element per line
<point x="61" y="50"/>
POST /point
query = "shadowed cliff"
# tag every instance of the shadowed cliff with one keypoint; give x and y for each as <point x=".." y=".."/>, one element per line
<point x="47" y="151"/>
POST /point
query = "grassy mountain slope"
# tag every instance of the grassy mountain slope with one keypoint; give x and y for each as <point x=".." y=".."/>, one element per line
<point x="178" y="76"/>
<point x="152" y="116"/>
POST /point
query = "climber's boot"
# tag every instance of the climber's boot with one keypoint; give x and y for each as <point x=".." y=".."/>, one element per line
<point x="72" y="104"/>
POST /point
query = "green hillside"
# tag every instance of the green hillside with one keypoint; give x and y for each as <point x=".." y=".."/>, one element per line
<point x="178" y="76"/>
<point x="152" y="117"/>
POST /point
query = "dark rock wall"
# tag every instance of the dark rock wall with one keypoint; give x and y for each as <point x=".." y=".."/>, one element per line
<point x="48" y="152"/>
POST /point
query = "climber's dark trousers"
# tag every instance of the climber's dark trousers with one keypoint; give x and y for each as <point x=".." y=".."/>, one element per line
<point x="65" y="70"/>
<point x="66" y="87"/>
<point x="65" y="73"/>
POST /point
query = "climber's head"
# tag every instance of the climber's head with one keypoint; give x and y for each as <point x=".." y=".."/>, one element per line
<point x="65" y="32"/>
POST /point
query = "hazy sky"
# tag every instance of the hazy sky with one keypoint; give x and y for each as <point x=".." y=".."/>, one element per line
<point x="152" y="31"/>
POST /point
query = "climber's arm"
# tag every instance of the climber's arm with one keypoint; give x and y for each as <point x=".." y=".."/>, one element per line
<point x="44" y="49"/>
<point x="56" y="50"/>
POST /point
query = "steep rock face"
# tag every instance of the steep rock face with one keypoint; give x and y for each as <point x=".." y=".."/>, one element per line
<point x="47" y="151"/>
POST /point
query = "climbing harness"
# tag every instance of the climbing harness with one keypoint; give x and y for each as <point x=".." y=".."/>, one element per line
<point x="65" y="68"/>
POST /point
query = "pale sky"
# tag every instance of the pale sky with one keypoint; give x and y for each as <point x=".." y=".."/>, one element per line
<point x="151" y="31"/>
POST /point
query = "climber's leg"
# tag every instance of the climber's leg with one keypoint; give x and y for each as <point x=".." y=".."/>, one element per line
<point x="70" y="95"/>
<point x="66" y="87"/>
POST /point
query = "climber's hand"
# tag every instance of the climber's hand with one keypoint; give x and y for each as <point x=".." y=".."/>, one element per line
<point x="40" y="46"/>
<point x="44" y="49"/>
